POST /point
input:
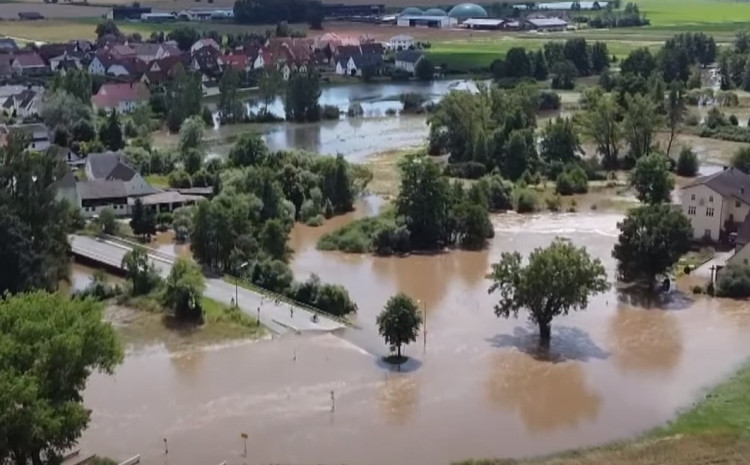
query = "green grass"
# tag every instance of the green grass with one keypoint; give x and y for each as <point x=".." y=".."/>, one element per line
<point x="696" y="12"/>
<point x="356" y="237"/>
<point x="158" y="180"/>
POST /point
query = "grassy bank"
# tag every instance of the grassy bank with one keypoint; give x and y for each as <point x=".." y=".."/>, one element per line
<point x="715" y="430"/>
<point x="356" y="237"/>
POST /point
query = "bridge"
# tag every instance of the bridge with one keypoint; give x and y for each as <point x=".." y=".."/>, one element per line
<point x="279" y="316"/>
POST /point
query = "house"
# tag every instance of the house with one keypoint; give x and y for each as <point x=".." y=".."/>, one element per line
<point x="111" y="166"/>
<point x="355" y="65"/>
<point x="237" y="61"/>
<point x="120" y="51"/>
<point x="717" y="204"/>
<point x="122" y="96"/>
<point x="163" y="69"/>
<point x="167" y="201"/>
<point x="203" y="43"/>
<point x="401" y="42"/>
<point x="8" y="45"/>
<point x="37" y="134"/>
<point x="23" y="104"/>
<point x="65" y="62"/>
<point x="66" y="189"/>
<point x="146" y="52"/>
<point x="28" y="64"/>
<point x="67" y="155"/>
<point x="407" y="60"/>
<point x="207" y="60"/>
<point x="96" y="195"/>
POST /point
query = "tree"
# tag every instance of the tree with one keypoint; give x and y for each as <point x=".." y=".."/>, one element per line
<point x="399" y="322"/>
<point x="577" y="51"/>
<point x="601" y="122"/>
<point x="107" y="27"/>
<point x="269" y="86"/>
<point x="83" y="131"/>
<point x="249" y="150"/>
<point x="424" y="202"/>
<point x="517" y="63"/>
<point x="231" y="109"/>
<point x="34" y="223"/>
<point x="741" y="159"/>
<point x="110" y="132"/>
<point x="687" y="163"/>
<point x="51" y="345"/>
<point x="652" y="180"/>
<point x="140" y="272"/>
<point x="143" y="221"/>
<point x="108" y="221"/>
<point x="639" y="62"/>
<point x="734" y="282"/>
<point x="742" y="42"/>
<point x="652" y="238"/>
<point x="541" y="69"/>
<point x="190" y="143"/>
<point x="675" y="111"/>
<point x="183" y="98"/>
<point x="62" y="108"/>
<point x="302" y="95"/>
<point x="183" y="291"/>
<point x="560" y="141"/>
<point x="273" y="238"/>
<point x="425" y="70"/>
<point x="557" y="279"/>
<point x="185" y="36"/>
<point x="75" y="82"/>
<point x="564" y="74"/>
<point x="599" y="57"/>
<point x="179" y="179"/>
<point x="641" y="121"/>
<point x="315" y="15"/>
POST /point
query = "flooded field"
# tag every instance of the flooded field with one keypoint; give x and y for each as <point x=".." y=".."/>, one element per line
<point x="476" y="385"/>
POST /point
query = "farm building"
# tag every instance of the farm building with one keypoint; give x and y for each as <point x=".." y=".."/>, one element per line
<point x="547" y="24"/>
<point x="425" y="21"/>
<point x="465" y="11"/>
<point x="483" y="23"/>
<point x="158" y="17"/>
<point x="401" y="42"/>
<point x="121" y="13"/>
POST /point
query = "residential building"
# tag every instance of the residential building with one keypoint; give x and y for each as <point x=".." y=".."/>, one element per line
<point x="717" y="204"/>
<point x="202" y="43"/>
<point x="207" y="60"/>
<point x="407" y="60"/>
<point x="96" y="195"/>
<point x="67" y="190"/>
<point x="121" y="96"/>
<point x="23" y="104"/>
<point x="37" y="134"/>
<point x="28" y="64"/>
<point x="67" y="155"/>
<point x="354" y="65"/>
<point x="167" y="201"/>
<point x="65" y="62"/>
<point x="401" y="42"/>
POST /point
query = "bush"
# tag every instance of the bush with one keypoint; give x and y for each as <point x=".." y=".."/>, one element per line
<point x="355" y="110"/>
<point x="734" y="281"/>
<point x="525" y="200"/>
<point x="357" y="236"/>
<point x="391" y="239"/>
<point x="727" y="99"/>
<point x="179" y="179"/>
<point x="687" y="163"/>
<point x="316" y="221"/>
<point x="572" y="181"/>
<point x="733" y="120"/>
<point x="412" y="102"/>
<point x="391" y="112"/>
<point x="549" y="101"/>
<point x="697" y="289"/>
<point x="273" y="275"/>
<point x="164" y="220"/>
<point x="108" y="221"/>
<point x="741" y="159"/>
<point x="692" y="118"/>
<point x="330" y="112"/>
<point x="467" y="170"/>
<point x="553" y="203"/>
<point x="499" y="193"/>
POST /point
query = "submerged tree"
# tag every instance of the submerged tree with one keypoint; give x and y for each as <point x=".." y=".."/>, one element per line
<point x="556" y="280"/>
<point x="399" y="322"/>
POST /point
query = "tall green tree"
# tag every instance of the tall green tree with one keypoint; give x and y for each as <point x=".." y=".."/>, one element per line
<point x="425" y="70"/>
<point x="75" y="82"/>
<point x="50" y="346"/>
<point x="399" y="322"/>
<point x="110" y="133"/>
<point x="185" y="36"/>
<point x="557" y="279"/>
<point x="34" y="224"/>
<point x="601" y="123"/>
<point x="61" y="108"/>
<point x="231" y="108"/>
<point x="302" y="96"/>
<point x="675" y="107"/>
<point x="190" y="144"/>
<point x="599" y="57"/>
<point x="560" y="142"/>
<point x="183" y="291"/>
<point x="652" y="179"/>
<point x="741" y="159"/>
<point x="541" y="68"/>
<point x="424" y="202"/>
<point x="107" y="27"/>
<point x="249" y="150"/>
<point x="140" y="272"/>
<point x="652" y="239"/>
<point x="337" y="183"/>
<point x="270" y="85"/>
<point x="183" y="98"/>
<point x="273" y="239"/>
<point x="143" y="221"/>
<point x="640" y="123"/>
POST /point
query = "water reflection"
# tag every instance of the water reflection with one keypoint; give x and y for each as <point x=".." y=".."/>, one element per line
<point x="568" y="343"/>
<point x="398" y="396"/>
<point x="645" y="341"/>
<point x="547" y="396"/>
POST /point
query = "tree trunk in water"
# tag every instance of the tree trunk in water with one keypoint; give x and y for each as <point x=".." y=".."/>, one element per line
<point x="545" y="333"/>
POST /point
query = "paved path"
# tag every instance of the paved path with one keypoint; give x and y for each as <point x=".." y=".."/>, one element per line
<point x="719" y="259"/>
<point x="277" y="317"/>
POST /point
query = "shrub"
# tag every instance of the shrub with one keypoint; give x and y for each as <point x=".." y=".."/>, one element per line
<point x="330" y="112"/>
<point x="273" y="275"/>
<point x="467" y="170"/>
<point x="412" y="102"/>
<point x="525" y="200"/>
<point x="741" y="159"/>
<point x="727" y="99"/>
<point x="687" y="163"/>
<point x="572" y="181"/>
<point x="164" y="220"/>
<point x="316" y="221"/>
<point x="692" y="118"/>
<point x="499" y="193"/>
<point x="390" y="112"/>
<point x="733" y="120"/>
<point x="549" y="101"/>
<point x="391" y="239"/>
<point x="734" y="281"/>
<point x="355" y="237"/>
<point x="553" y="203"/>
<point x="179" y="179"/>
<point x="108" y="221"/>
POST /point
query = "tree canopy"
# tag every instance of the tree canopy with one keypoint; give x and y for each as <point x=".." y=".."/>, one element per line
<point x="183" y="291"/>
<point x="399" y="322"/>
<point x="557" y="279"/>
<point x="652" y="179"/>
<point x="49" y="346"/>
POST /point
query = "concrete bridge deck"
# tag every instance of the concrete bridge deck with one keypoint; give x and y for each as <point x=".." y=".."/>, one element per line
<point x="279" y="318"/>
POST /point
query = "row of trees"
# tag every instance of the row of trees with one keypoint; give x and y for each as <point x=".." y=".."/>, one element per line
<point x="274" y="11"/>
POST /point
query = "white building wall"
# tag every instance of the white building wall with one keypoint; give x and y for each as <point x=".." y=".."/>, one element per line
<point x="704" y="207"/>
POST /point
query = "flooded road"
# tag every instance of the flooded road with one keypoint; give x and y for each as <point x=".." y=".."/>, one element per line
<point x="477" y="388"/>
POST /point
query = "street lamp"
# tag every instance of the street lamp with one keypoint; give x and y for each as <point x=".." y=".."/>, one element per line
<point x="236" y="284"/>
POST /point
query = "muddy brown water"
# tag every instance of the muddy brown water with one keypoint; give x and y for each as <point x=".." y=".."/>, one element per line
<point x="477" y="388"/>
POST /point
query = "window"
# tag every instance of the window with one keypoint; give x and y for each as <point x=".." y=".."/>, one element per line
<point x="737" y="203"/>
<point x="710" y="211"/>
<point x="711" y="198"/>
<point x="692" y="197"/>
<point x="691" y="210"/>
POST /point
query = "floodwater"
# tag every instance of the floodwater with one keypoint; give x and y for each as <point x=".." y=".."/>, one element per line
<point x="476" y="385"/>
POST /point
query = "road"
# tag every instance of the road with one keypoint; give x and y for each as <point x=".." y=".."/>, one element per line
<point x="279" y="318"/>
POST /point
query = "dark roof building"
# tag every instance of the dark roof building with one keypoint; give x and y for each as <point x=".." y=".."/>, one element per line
<point x="101" y="165"/>
<point x="729" y="183"/>
<point x="409" y="56"/>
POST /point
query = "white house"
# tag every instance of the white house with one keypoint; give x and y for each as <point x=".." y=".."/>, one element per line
<point x="97" y="66"/>
<point x="407" y="60"/>
<point x="204" y="43"/>
<point x="123" y="96"/>
<point x="401" y="42"/>
<point x="38" y="135"/>
<point x="716" y="205"/>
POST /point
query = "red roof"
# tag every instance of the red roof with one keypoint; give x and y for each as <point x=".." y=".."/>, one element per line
<point x="112" y="94"/>
<point x="237" y="61"/>
<point x="28" y="60"/>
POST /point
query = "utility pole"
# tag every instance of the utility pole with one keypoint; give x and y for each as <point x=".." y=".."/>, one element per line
<point x="236" y="284"/>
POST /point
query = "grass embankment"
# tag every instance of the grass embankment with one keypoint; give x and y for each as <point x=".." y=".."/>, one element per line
<point x="158" y="180"/>
<point x="143" y="320"/>
<point x="716" y="431"/>
<point x="356" y="237"/>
